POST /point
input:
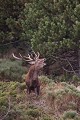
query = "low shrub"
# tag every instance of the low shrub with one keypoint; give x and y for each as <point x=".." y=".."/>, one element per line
<point x="33" y="112"/>
<point x="62" y="96"/>
<point x="70" y="115"/>
<point x="11" y="70"/>
<point x="44" y="79"/>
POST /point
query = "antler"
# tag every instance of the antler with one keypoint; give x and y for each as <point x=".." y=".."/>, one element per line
<point x="22" y="57"/>
<point x="35" y="58"/>
<point x="28" y="58"/>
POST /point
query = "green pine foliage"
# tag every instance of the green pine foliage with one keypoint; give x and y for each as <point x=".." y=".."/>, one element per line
<point x="52" y="25"/>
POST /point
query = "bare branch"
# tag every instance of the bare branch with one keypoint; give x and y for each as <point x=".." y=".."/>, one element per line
<point x="71" y="66"/>
<point x="64" y="59"/>
<point x="69" y="70"/>
<point x="73" y="71"/>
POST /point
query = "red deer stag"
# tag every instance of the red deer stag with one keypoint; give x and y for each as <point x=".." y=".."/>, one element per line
<point x="31" y="78"/>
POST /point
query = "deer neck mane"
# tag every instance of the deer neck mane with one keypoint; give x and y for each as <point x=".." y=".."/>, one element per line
<point x="32" y="72"/>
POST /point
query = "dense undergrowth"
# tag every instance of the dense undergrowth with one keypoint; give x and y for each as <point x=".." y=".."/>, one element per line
<point x="57" y="101"/>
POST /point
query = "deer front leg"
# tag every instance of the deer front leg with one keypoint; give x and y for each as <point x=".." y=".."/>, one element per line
<point x="38" y="90"/>
<point x="28" y="90"/>
<point x="28" y="87"/>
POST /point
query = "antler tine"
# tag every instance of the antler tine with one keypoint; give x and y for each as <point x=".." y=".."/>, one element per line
<point x="23" y="57"/>
<point x="30" y="59"/>
<point x="20" y="55"/>
<point x="16" y="57"/>
<point x="26" y="57"/>
<point x="36" y="55"/>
